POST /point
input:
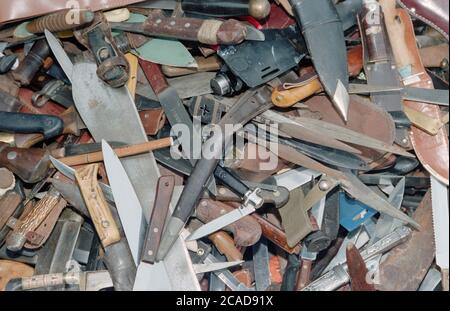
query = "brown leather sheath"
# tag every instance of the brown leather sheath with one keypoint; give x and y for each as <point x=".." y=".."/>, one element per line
<point x="363" y="117"/>
<point x="432" y="151"/>
<point x="432" y="12"/>
<point x="153" y="120"/>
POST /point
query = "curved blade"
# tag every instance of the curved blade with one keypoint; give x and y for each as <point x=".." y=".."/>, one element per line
<point x="61" y="55"/>
<point x="127" y="202"/>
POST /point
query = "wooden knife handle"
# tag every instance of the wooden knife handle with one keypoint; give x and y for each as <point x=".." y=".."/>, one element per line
<point x="31" y="165"/>
<point x="246" y="231"/>
<point x="225" y="245"/>
<point x="289" y="97"/>
<point x="209" y="31"/>
<point x="120" y="152"/>
<point x="58" y="21"/>
<point x="29" y="222"/>
<point x="211" y="63"/>
<point x="396" y="32"/>
<point x="164" y="192"/>
<point x="154" y="76"/>
<point x="96" y="204"/>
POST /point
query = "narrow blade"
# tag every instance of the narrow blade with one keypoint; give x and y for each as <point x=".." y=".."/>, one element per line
<point x="220" y="222"/>
<point x="127" y="202"/>
<point x="61" y="55"/>
<point x="216" y="266"/>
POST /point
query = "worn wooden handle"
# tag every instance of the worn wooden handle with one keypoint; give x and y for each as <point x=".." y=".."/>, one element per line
<point x="132" y="80"/>
<point x="96" y="204"/>
<point x="121" y="152"/>
<point x="29" y="222"/>
<point x="289" y="97"/>
<point x="225" y="245"/>
<point x="211" y="63"/>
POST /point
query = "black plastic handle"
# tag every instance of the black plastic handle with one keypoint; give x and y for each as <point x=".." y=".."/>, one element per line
<point x="227" y="178"/>
<point x="216" y="7"/>
<point x="26" y="123"/>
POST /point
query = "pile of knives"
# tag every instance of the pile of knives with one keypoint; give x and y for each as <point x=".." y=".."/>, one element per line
<point x="202" y="145"/>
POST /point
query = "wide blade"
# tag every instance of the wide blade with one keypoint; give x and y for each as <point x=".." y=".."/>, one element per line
<point x="127" y="202"/>
<point x="221" y="222"/>
<point x="61" y="55"/>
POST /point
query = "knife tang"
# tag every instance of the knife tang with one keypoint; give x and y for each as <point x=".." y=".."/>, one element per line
<point x="164" y="193"/>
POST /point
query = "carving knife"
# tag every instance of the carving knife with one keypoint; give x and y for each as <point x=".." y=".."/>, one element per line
<point x="110" y="114"/>
<point x="439" y="203"/>
<point x="127" y="202"/>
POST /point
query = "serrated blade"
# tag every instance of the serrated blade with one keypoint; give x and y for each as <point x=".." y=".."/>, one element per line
<point x="439" y="202"/>
<point x="127" y="202"/>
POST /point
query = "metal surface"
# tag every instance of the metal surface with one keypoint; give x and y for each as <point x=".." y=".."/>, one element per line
<point x="430" y="96"/>
<point x="338" y="276"/>
<point x="98" y="106"/>
<point x="261" y="265"/>
<point x="439" y="203"/>
<point x="252" y="202"/>
<point x="127" y="202"/>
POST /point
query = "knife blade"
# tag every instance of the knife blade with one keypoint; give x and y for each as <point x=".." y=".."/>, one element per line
<point x="252" y="201"/>
<point x="127" y="202"/>
<point x="430" y="96"/>
<point x="439" y="203"/>
<point x="60" y="55"/>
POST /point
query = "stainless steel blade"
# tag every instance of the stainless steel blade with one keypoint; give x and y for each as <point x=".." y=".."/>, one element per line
<point x="439" y="201"/>
<point x="110" y="114"/>
<point x="61" y="56"/>
<point x="127" y="202"/>
<point x="176" y="272"/>
<point x="216" y="266"/>
<point x="70" y="173"/>
<point x="221" y="222"/>
<point x="430" y="96"/>
<point x="227" y="277"/>
<point x="386" y="223"/>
